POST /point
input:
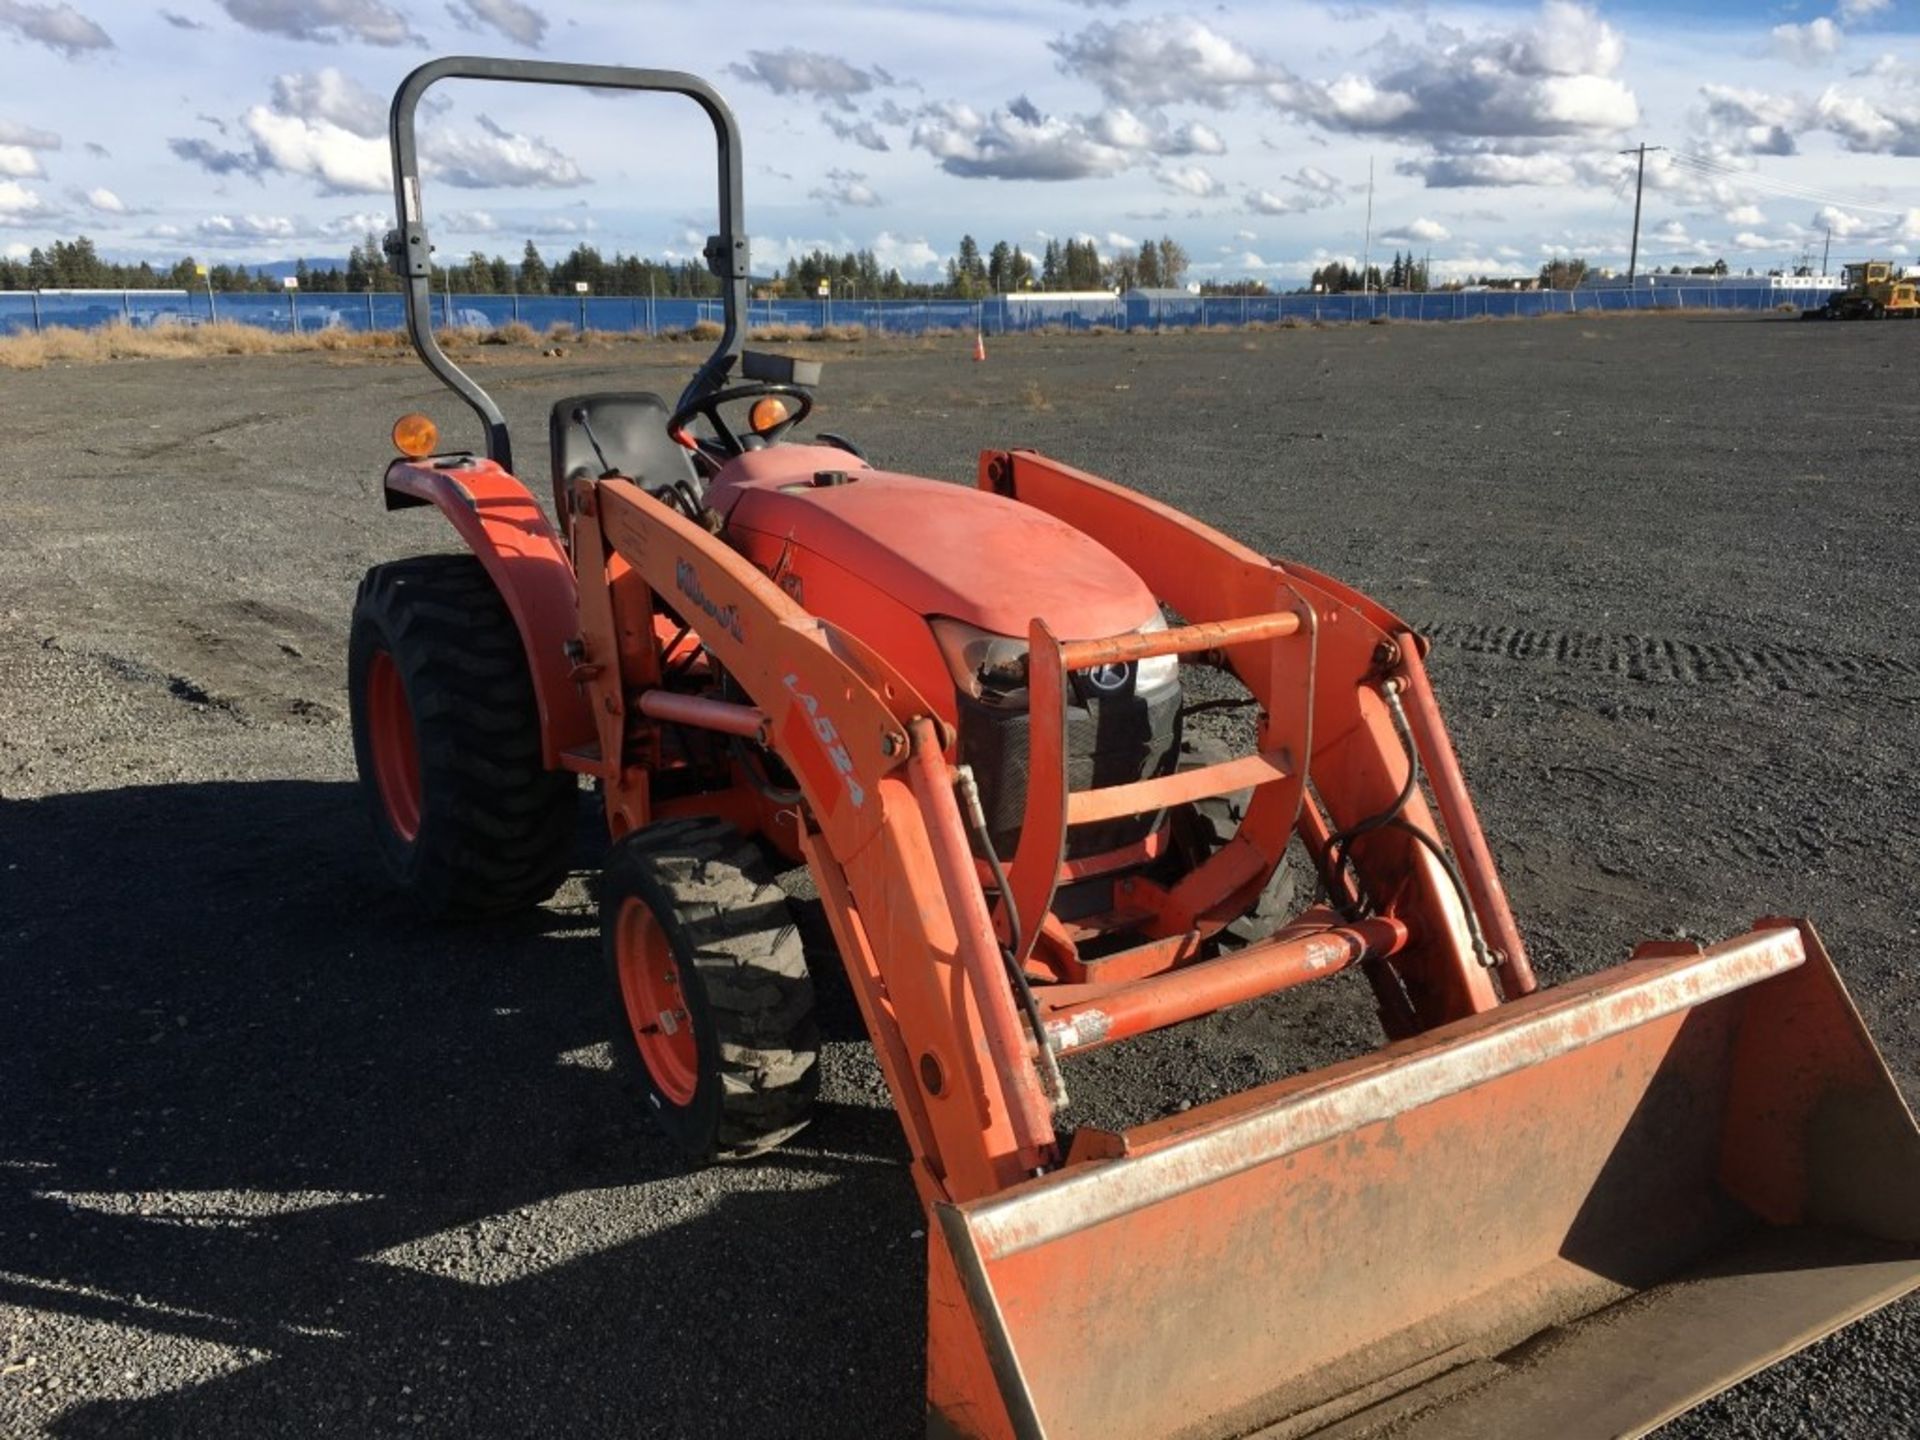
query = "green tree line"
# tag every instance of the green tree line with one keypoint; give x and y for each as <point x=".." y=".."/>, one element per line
<point x="971" y="274"/>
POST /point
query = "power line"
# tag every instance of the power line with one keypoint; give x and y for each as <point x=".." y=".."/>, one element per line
<point x="1720" y="170"/>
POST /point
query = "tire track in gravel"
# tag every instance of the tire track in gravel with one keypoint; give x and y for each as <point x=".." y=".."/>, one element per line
<point x="1663" y="659"/>
<point x="1782" y="822"/>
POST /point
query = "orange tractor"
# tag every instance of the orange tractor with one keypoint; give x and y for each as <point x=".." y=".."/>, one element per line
<point x="1570" y="1212"/>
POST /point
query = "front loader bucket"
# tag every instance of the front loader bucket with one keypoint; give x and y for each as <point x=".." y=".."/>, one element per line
<point x="1576" y="1215"/>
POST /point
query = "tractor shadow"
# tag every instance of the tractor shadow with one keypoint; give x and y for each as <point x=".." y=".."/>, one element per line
<point x="248" y="1101"/>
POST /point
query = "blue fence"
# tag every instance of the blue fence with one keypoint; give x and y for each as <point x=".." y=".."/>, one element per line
<point x="23" y="312"/>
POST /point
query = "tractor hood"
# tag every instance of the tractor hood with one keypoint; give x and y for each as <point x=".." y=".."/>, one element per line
<point x="935" y="548"/>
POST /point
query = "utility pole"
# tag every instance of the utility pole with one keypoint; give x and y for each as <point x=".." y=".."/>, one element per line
<point x="1826" y="250"/>
<point x="1639" y="184"/>
<point x="1366" y="253"/>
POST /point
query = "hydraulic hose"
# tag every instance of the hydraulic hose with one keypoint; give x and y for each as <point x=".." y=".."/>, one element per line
<point x="976" y="818"/>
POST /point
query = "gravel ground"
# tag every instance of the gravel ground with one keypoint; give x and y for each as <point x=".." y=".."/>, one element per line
<point x="276" y="1157"/>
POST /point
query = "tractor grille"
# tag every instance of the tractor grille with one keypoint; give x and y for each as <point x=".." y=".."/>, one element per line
<point x="1110" y="740"/>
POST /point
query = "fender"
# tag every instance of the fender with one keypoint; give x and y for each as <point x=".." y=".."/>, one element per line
<point x="503" y="524"/>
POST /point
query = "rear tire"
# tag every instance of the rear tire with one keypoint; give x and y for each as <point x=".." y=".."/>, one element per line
<point x="1203" y="826"/>
<point x="446" y="736"/>
<point x="713" y="1004"/>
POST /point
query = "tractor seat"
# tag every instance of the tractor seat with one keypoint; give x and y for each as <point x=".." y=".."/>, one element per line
<point x="631" y="426"/>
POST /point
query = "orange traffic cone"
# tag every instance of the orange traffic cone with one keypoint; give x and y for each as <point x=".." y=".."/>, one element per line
<point x="979" y="345"/>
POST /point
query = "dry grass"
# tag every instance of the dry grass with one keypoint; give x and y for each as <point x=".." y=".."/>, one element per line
<point x="810" y="334"/>
<point x="119" y="341"/>
<point x="514" y="332"/>
<point x="1034" y="398"/>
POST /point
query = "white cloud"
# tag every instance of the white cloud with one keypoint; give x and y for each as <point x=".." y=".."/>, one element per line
<point x="518" y="22"/>
<point x="325" y="127"/>
<point x="1748" y="240"/>
<point x="1124" y="130"/>
<point x="30" y="137"/>
<point x="246" y="227"/>
<point x="1813" y="43"/>
<point x="1166" y="60"/>
<point x="372" y="22"/>
<point x="1876" y="127"/>
<point x="1553" y="79"/>
<point x="105" y="201"/>
<point x="19" y="205"/>
<point x="1752" y="122"/>
<point x="20" y="163"/>
<point x="212" y="158"/>
<point x="857" y="128"/>
<point x="58" y="27"/>
<point x="16" y="250"/>
<point x="1192" y="138"/>
<point x="1194" y="180"/>
<point x="1744" y="215"/>
<point x="1467" y="168"/>
<point x="459" y="222"/>
<point x="1016" y="142"/>
<point x="808" y="72"/>
<point x="497" y="157"/>
<point x="328" y="95"/>
<point x="359" y="225"/>
<point x="1423" y="231"/>
<point x="1310" y="188"/>
<point x="342" y="162"/>
<point x="1851" y="11"/>
<point x="1843" y="223"/>
<point x="844" y="188"/>
<point x="911" y="257"/>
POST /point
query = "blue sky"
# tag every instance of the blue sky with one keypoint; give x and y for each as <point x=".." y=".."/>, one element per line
<point x="254" y="129"/>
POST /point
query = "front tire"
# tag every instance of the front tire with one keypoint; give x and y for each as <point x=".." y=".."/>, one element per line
<point x="446" y="737"/>
<point x="713" y="1004"/>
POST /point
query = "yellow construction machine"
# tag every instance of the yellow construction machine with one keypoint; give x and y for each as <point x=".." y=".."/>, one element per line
<point x="1876" y="290"/>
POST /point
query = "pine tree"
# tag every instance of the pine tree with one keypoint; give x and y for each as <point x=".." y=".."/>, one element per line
<point x="535" y="278"/>
<point x="1000" y="268"/>
<point x="1173" y="261"/>
<point x="1146" y="270"/>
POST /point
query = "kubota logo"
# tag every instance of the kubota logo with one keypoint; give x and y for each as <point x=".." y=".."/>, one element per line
<point x="827" y="735"/>
<point x="725" y="616"/>
<point x="1109" y="679"/>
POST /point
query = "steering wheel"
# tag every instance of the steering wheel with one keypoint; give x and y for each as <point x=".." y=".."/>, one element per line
<point x="707" y="407"/>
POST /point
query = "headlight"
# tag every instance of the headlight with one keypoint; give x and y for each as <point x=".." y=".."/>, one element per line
<point x="1156" y="670"/>
<point x="991" y="668"/>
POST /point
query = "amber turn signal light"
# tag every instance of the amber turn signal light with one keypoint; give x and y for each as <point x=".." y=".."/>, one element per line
<point x="767" y="412"/>
<point x="415" y="436"/>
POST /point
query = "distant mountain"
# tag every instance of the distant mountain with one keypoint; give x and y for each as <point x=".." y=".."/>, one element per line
<point x="280" y="269"/>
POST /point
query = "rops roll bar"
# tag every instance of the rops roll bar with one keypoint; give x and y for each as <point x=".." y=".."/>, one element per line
<point x="412" y="254"/>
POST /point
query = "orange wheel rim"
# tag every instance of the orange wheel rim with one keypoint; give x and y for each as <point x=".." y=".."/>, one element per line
<point x="656" y="1006"/>
<point x="396" y="751"/>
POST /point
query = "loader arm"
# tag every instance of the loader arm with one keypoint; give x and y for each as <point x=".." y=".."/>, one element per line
<point x="882" y="828"/>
